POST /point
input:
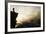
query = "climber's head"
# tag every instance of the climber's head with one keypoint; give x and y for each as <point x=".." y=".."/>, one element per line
<point x="13" y="9"/>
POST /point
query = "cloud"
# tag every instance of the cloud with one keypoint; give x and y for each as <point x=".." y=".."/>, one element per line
<point x="26" y="13"/>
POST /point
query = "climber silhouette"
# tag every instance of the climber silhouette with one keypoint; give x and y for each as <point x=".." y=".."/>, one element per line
<point x="13" y="18"/>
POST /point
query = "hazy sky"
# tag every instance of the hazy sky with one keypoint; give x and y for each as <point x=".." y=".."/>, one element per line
<point x="25" y="13"/>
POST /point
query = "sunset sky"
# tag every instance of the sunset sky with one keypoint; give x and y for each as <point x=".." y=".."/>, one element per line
<point x="26" y="13"/>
